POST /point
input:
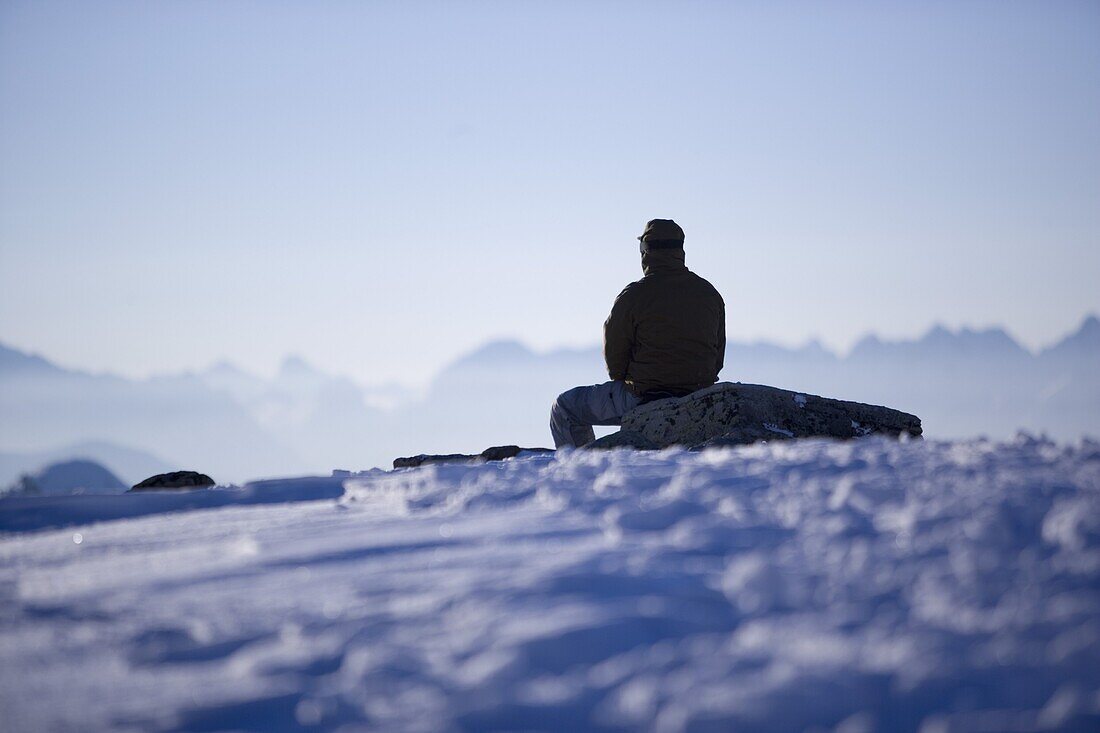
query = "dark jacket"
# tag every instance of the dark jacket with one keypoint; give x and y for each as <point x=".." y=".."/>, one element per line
<point x="667" y="331"/>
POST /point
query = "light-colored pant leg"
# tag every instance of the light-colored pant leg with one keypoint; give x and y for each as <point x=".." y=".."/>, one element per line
<point x="576" y="411"/>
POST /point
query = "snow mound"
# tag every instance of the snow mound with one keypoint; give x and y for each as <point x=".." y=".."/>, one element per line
<point x="859" y="586"/>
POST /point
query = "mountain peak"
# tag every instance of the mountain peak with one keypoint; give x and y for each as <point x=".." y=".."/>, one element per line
<point x="13" y="360"/>
<point x="869" y="345"/>
<point x="496" y="351"/>
<point x="225" y="368"/>
<point x="1085" y="340"/>
<point x="815" y="349"/>
<point x="294" y="365"/>
<point x="938" y="332"/>
<point x="972" y="340"/>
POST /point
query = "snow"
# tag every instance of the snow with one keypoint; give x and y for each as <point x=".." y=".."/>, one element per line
<point x="810" y="585"/>
<point x="772" y="427"/>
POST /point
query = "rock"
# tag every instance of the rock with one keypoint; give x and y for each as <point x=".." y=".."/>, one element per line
<point x="496" y="453"/>
<point x="622" y="439"/>
<point x="422" y="459"/>
<point x="500" y="452"/>
<point x="175" y="480"/>
<point x="737" y="414"/>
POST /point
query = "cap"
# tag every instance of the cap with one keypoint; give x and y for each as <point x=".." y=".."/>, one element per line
<point x="662" y="234"/>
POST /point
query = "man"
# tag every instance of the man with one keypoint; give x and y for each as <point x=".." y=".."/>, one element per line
<point x="665" y="337"/>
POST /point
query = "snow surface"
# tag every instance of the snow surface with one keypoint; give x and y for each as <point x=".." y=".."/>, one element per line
<point x="809" y="585"/>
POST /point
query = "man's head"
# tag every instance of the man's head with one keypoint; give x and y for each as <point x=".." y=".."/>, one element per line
<point x="661" y="234"/>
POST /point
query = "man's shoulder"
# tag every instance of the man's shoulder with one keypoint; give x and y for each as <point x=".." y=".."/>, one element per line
<point x="631" y="289"/>
<point x="705" y="284"/>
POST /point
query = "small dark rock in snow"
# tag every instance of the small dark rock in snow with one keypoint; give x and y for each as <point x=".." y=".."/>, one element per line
<point x="422" y="459"/>
<point x="500" y="452"/>
<point x="175" y="480"/>
<point x="738" y="414"/>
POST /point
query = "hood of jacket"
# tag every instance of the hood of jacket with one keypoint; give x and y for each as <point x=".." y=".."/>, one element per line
<point x="663" y="260"/>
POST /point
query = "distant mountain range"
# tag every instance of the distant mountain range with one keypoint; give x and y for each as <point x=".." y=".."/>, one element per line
<point x="238" y="426"/>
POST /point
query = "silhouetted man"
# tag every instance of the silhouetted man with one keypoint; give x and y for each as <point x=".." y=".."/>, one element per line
<point x="665" y="337"/>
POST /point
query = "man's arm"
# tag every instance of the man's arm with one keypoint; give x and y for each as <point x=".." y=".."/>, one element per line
<point x="618" y="337"/>
<point x="721" y="335"/>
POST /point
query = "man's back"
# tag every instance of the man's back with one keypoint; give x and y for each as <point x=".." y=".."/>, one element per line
<point x="666" y="332"/>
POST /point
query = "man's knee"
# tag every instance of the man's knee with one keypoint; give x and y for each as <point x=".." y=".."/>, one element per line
<point x="560" y="414"/>
<point x="558" y="408"/>
<point x="565" y="422"/>
<point x="566" y="403"/>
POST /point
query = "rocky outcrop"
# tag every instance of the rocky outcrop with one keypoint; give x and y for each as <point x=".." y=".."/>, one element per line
<point x="496" y="453"/>
<point x="724" y="414"/>
<point x="738" y="414"/>
<point x="175" y="480"/>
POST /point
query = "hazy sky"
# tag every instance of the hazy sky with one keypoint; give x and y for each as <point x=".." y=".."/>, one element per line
<point x="381" y="186"/>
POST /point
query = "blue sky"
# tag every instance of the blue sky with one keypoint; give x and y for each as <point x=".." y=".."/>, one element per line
<point x="381" y="186"/>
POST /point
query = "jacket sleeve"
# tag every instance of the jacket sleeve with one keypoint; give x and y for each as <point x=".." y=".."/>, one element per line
<point x="618" y="336"/>
<point x="721" y="335"/>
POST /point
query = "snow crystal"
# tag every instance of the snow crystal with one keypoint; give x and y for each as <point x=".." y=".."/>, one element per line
<point x="811" y="585"/>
